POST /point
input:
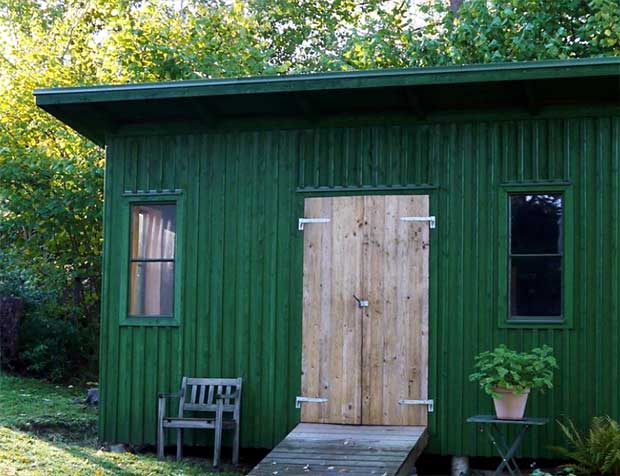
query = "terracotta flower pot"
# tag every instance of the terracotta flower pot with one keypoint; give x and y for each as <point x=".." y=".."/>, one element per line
<point x="511" y="406"/>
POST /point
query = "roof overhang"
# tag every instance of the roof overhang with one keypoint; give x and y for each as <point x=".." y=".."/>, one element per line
<point x="96" y="111"/>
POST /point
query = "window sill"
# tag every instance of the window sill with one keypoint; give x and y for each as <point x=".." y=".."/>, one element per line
<point x="149" y="321"/>
<point x="541" y="323"/>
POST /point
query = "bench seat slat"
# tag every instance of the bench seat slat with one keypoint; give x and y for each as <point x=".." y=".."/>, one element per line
<point x="196" y="423"/>
<point x="193" y="407"/>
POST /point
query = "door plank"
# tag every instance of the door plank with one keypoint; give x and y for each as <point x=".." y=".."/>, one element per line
<point x="373" y="336"/>
<point x="315" y="304"/>
<point x="346" y="334"/>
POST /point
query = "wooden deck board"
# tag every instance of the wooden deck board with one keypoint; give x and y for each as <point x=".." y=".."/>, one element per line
<point x="352" y="450"/>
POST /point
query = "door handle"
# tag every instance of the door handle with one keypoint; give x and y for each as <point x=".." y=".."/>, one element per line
<point x="361" y="302"/>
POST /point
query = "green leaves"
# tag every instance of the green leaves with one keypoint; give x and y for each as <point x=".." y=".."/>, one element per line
<point x="489" y="31"/>
<point x="155" y="41"/>
<point x="596" y="451"/>
<point x="515" y="371"/>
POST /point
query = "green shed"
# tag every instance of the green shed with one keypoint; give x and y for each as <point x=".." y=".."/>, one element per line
<point x="355" y="239"/>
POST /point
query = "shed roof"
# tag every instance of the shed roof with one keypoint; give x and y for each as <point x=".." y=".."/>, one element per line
<point x="95" y="111"/>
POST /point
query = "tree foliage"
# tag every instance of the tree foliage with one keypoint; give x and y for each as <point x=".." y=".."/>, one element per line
<point x="51" y="178"/>
<point x="348" y="34"/>
<point x="484" y="31"/>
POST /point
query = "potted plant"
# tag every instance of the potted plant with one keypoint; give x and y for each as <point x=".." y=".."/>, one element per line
<point x="508" y="376"/>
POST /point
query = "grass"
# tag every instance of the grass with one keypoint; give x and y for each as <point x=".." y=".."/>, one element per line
<point x="43" y="432"/>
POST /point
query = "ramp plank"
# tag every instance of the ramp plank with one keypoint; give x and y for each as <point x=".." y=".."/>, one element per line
<point x="349" y="450"/>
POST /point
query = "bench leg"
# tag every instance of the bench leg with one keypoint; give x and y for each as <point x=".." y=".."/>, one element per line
<point x="160" y="441"/>
<point x="218" y="433"/>
<point x="160" y="428"/>
<point x="217" y="447"/>
<point x="235" y="455"/>
<point x="179" y="444"/>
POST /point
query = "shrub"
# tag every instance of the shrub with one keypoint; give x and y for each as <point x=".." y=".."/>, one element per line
<point x="515" y="371"/>
<point x="566" y="471"/>
<point x="595" y="452"/>
<point x="11" y="311"/>
<point x="56" y="348"/>
<point x="53" y="342"/>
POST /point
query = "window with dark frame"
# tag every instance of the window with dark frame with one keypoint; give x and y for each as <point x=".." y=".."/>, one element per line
<point x="152" y="260"/>
<point x="536" y="254"/>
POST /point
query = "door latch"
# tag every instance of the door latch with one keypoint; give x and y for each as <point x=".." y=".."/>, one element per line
<point x="361" y="302"/>
<point x="431" y="220"/>
<point x="303" y="221"/>
<point x="300" y="400"/>
<point x="429" y="403"/>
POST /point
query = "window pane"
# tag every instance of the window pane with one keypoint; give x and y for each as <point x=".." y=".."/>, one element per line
<point x="536" y="286"/>
<point x="151" y="289"/>
<point x="536" y="223"/>
<point x="153" y="231"/>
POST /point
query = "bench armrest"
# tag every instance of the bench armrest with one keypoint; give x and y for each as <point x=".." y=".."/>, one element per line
<point x="161" y="403"/>
<point x="169" y="395"/>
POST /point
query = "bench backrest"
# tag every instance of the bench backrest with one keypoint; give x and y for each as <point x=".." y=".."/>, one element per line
<point x="201" y="395"/>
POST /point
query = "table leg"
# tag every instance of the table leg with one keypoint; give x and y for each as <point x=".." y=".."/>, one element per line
<point x="510" y="454"/>
<point x="507" y="453"/>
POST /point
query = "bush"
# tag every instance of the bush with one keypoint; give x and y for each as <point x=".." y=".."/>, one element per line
<point x="595" y="452"/>
<point x="55" y="342"/>
<point x="11" y="311"/>
<point x="566" y="471"/>
<point x="56" y="349"/>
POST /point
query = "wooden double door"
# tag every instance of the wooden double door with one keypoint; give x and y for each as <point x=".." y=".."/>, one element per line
<point x="365" y="310"/>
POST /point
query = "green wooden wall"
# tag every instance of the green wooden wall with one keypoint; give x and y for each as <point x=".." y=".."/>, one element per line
<point x="242" y="266"/>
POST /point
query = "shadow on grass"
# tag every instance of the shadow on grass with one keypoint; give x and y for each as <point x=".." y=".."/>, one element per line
<point x="54" y="455"/>
<point x="103" y="462"/>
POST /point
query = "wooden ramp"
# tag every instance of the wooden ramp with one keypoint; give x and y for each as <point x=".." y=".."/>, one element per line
<point x="318" y="448"/>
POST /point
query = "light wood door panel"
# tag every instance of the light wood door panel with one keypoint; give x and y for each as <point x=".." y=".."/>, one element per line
<point x="363" y="361"/>
<point x="395" y="325"/>
<point x="331" y="358"/>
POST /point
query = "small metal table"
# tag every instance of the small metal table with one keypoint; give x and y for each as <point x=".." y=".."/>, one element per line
<point x="490" y="425"/>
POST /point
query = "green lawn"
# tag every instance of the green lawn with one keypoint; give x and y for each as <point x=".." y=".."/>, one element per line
<point x="43" y="432"/>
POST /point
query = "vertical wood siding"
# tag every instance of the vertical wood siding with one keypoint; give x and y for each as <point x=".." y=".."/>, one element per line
<point x="243" y="264"/>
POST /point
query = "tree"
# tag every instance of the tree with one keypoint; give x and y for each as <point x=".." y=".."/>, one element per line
<point x="51" y="179"/>
<point x="208" y="38"/>
<point x="484" y="31"/>
<point x="337" y="34"/>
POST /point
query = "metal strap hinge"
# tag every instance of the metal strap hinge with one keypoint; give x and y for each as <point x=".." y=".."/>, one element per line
<point x="300" y="400"/>
<point x="430" y="220"/>
<point x="303" y="221"/>
<point x="429" y="403"/>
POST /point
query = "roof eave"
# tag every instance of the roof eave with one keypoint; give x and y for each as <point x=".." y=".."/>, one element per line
<point x="518" y="71"/>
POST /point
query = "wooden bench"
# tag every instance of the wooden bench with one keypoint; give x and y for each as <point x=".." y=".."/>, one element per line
<point x="215" y="396"/>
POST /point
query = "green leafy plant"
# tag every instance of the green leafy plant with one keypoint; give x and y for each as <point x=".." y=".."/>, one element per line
<point x="515" y="371"/>
<point x="596" y="451"/>
<point x="540" y="472"/>
<point x="564" y="471"/>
